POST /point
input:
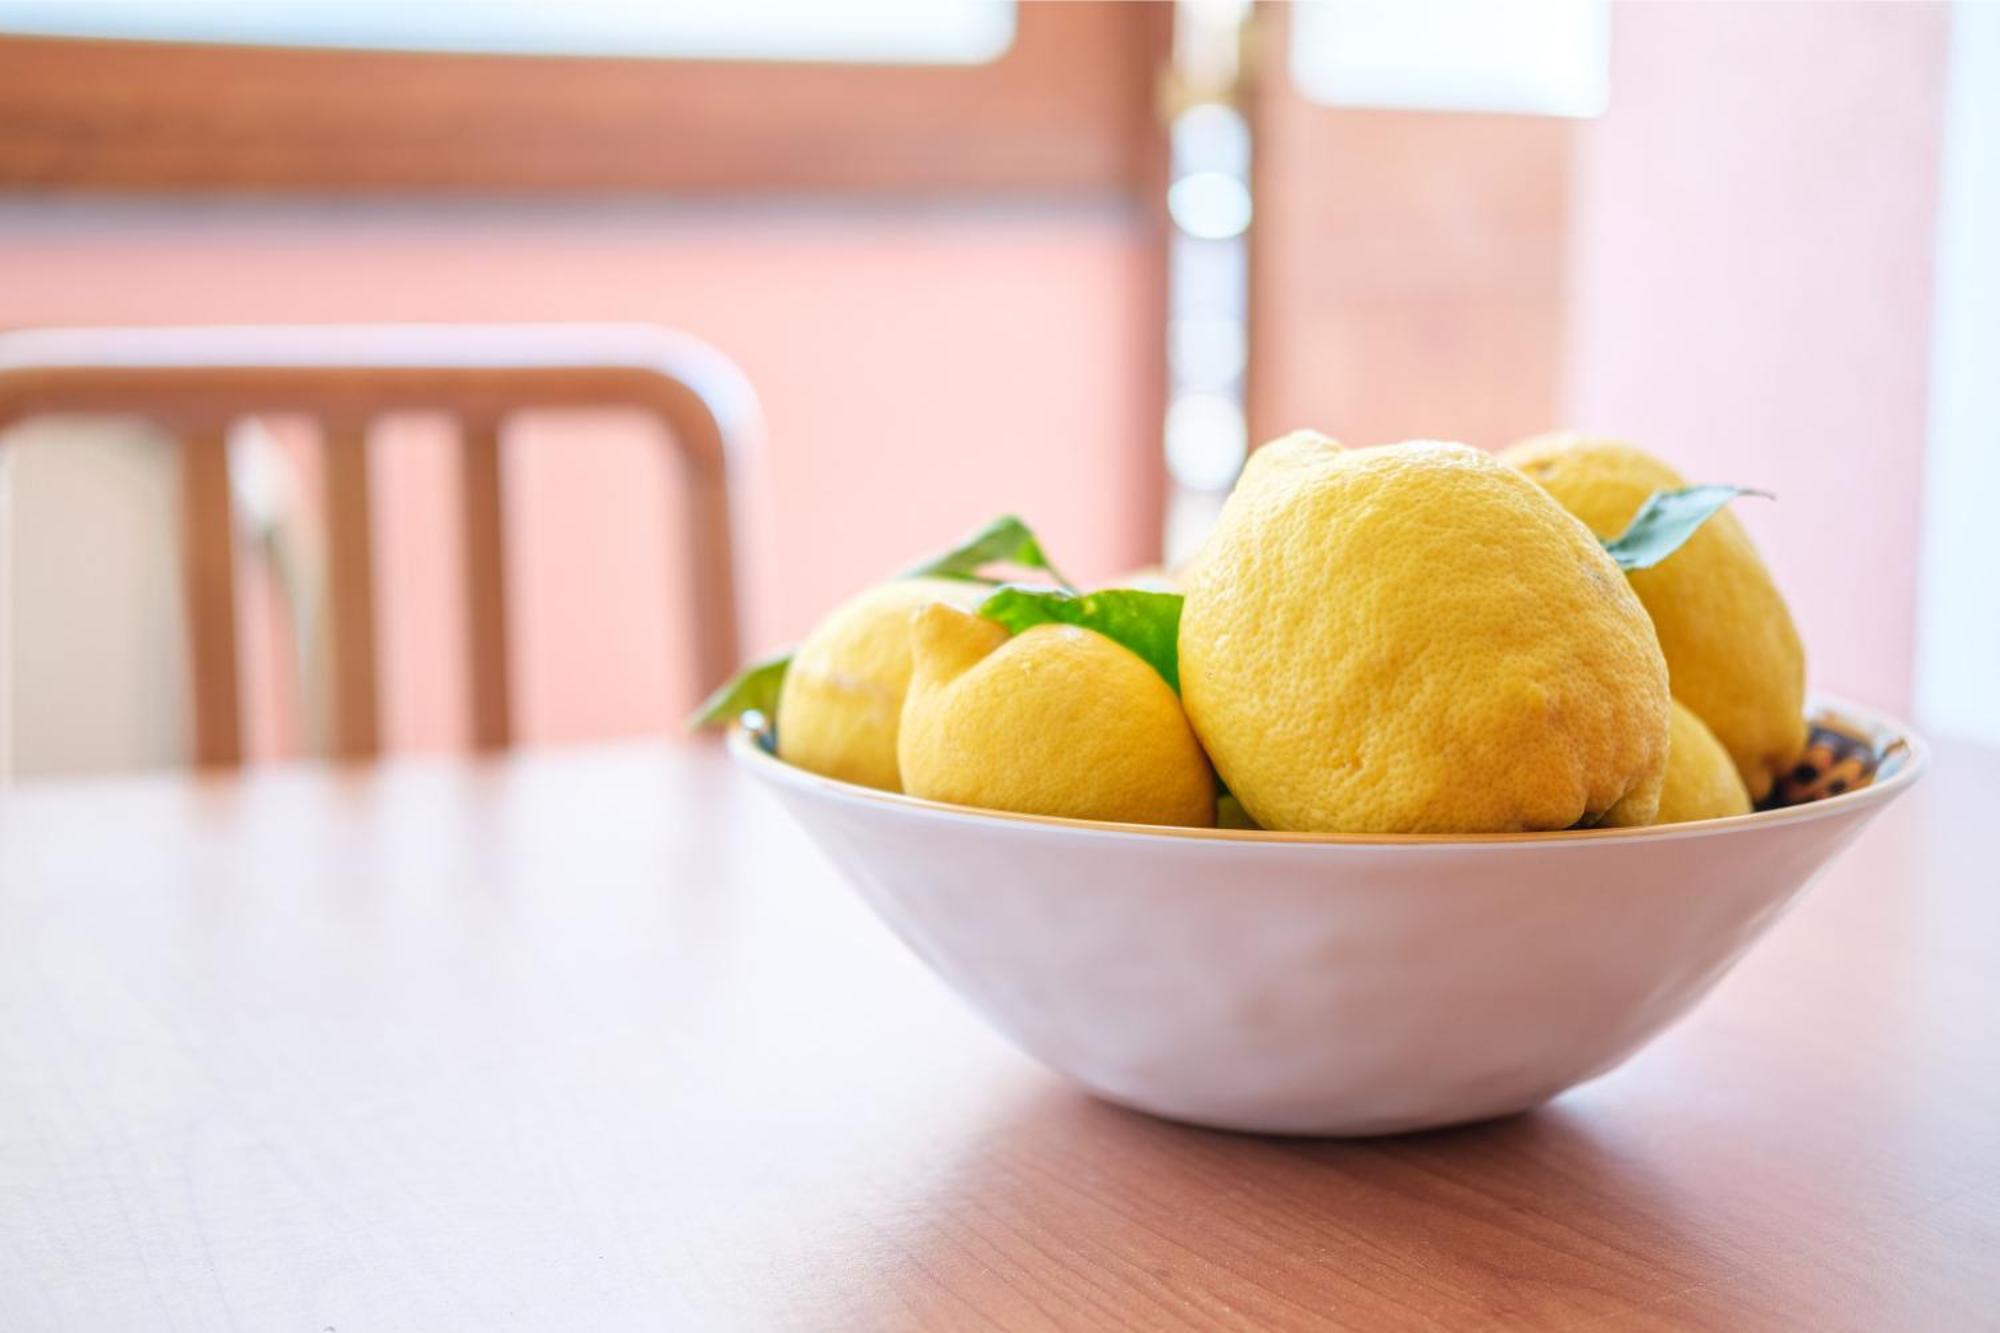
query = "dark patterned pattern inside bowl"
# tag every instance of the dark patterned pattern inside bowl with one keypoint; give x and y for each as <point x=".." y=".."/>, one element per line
<point x="1841" y="754"/>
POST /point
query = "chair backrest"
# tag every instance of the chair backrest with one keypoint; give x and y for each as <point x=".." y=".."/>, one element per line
<point x="197" y="382"/>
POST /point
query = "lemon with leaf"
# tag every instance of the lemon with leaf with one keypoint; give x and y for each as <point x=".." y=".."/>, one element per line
<point x="837" y="701"/>
<point x="1731" y="648"/>
<point x="1414" y="638"/>
<point x="1056" y="720"/>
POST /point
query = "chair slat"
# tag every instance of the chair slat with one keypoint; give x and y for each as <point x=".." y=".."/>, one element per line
<point x="484" y="546"/>
<point x="208" y="587"/>
<point x="356" y="732"/>
<point x="712" y="566"/>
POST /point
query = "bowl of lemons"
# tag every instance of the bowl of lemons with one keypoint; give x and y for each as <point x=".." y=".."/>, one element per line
<point x="1436" y="783"/>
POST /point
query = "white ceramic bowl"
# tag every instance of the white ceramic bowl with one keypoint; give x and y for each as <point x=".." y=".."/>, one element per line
<point x="1301" y="984"/>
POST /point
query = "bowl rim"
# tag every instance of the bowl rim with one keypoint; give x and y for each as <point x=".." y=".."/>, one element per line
<point x="746" y="750"/>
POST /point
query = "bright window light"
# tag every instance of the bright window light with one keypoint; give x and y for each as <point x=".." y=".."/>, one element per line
<point x="1207" y="352"/>
<point x="1537" y="57"/>
<point x="1209" y="205"/>
<point x="1206" y="440"/>
<point x="911" y="32"/>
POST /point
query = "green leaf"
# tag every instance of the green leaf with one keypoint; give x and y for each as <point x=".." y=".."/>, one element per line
<point x="1149" y="623"/>
<point x="1667" y="519"/>
<point x="1004" y="541"/>
<point x="753" y="689"/>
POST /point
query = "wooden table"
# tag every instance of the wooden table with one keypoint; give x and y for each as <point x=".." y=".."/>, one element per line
<point x="596" y="1040"/>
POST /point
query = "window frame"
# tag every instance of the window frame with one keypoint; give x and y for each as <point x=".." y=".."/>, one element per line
<point x="1068" y="109"/>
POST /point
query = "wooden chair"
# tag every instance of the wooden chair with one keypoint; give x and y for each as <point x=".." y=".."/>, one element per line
<point x="196" y="382"/>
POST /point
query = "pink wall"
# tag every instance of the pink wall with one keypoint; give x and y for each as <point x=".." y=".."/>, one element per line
<point x="1750" y="289"/>
<point x="920" y="371"/>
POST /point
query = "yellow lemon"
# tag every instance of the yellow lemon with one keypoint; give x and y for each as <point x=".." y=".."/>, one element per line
<point x="1416" y="639"/>
<point x="842" y="700"/>
<point x="1730" y="644"/>
<point x="1054" y="721"/>
<point x="1702" y="782"/>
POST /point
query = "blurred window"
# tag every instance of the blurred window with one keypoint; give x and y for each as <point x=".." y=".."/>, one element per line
<point x="1539" y="57"/>
<point x="950" y="32"/>
<point x="909" y="97"/>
